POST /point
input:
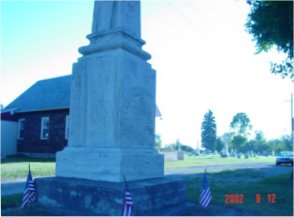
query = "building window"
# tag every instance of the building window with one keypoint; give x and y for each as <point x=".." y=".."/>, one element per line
<point x="21" y="123"/>
<point x="66" y="126"/>
<point x="45" y="128"/>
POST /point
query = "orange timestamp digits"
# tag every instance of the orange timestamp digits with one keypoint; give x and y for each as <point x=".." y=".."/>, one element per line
<point x="234" y="198"/>
<point x="239" y="198"/>
<point x="271" y="198"/>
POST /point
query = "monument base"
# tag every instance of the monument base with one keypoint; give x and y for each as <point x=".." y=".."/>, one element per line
<point x="109" y="164"/>
<point x="70" y="196"/>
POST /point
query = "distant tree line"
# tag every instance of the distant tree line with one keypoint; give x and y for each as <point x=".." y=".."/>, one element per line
<point x="239" y="138"/>
<point x="179" y="146"/>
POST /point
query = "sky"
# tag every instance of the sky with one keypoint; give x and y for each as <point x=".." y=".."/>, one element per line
<point x="203" y="56"/>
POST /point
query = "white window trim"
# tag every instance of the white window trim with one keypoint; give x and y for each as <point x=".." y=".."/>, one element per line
<point x="42" y="128"/>
<point x="66" y="127"/>
<point x="18" y="133"/>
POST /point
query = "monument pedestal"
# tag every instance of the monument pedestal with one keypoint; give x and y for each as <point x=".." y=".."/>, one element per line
<point x="152" y="197"/>
<point x="112" y="127"/>
<point x="109" y="164"/>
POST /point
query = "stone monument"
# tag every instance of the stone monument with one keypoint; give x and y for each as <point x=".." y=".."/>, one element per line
<point x="112" y="108"/>
<point x="112" y="118"/>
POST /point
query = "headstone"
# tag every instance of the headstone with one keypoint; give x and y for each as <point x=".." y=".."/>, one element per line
<point x="226" y="145"/>
<point x="197" y="148"/>
<point x="112" y="108"/>
<point x="251" y="153"/>
<point x="233" y="153"/>
<point x="180" y="155"/>
<point x="178" y="144"/>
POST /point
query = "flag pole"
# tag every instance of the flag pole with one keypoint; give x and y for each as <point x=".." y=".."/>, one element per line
<point x="124" y="190"/>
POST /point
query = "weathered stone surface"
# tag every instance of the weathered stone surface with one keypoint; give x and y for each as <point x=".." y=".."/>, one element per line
<point x="112" y="102"/>
<point x="112" y="121"/>
<point x="69" y="196"/>
<point x="109" y="164"/>
<point x="120" y="15"/>
<point x="112" y="107"/>
<point x="173" y="155"/>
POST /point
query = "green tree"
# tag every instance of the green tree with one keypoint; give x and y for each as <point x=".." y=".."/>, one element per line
<point x="187" y="148"/>
<point x="175" y="147"/>
<point x="239" y="142"/>
<point x="240" y="124"/>
<point x="281" y="144"/>
<point x="260" y="143"/>
<point x="276" y="145"/>
<point x="219" y="145"/>
<point x="271" y="25"/>
<point x="287" y="141"/>
<point x="240" y="127"/>
<point x="208" y="131"/>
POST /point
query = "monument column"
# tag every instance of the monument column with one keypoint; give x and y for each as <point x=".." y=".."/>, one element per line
<point x="112" y="107"/>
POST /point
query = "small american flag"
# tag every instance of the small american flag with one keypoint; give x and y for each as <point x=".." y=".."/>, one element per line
<point x="127" y="209"/>
<point x="29" y="194"/>
<point x="205" y="196"/>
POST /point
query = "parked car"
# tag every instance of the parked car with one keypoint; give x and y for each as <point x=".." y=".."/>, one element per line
<point x="285" y="157"/>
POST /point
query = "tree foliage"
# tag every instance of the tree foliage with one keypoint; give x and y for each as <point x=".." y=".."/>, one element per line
<point x="259" y="143"/>
<point x="219" y="145"/>
<point x="208" y="131"/>
<point x="240" y="125"/>
<point x="239" y="143"/>
<point x="175" y="147"/>
<point x="187" y="148"/>
<point x="281" y="144"/>
<point x="271" y="25"/>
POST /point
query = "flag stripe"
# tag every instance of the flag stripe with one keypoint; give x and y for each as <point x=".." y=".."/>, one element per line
<point x="205" y="195"/>
<point x="29" y="194"/>
<point x="128" y="204"/>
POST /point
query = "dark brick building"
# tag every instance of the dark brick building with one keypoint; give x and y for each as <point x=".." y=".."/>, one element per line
<point x="42" y="115"/>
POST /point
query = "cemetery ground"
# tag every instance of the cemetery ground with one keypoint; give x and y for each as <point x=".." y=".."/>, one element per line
<point x="16" y="167"/>
<point x="266" y="182"/>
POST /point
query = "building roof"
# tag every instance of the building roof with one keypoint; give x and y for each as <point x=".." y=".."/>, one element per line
<point x="48" y="94"/>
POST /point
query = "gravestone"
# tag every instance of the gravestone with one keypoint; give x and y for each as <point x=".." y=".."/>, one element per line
<point x="226" y="145"/>
<point x="112" y="118"/>
<point x="112" y="108"/>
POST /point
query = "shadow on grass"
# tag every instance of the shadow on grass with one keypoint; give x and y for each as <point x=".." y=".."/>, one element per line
<point x="32" y="210"/>
<point x="16" y="158"/>
<point x="248" y="182"/>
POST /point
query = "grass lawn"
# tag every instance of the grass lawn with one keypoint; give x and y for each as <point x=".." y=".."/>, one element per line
<point x="279" y="189"/>
<point x="13" y="168"/>
<point x="11" y="201"/>
<point x="243" y="181"/>
<point x="214" y="159"/>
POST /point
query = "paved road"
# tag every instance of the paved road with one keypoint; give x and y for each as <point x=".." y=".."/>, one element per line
<point x="16" y="187"/>
<point x="266" y="167"/>
<point x="13" y="187"/>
